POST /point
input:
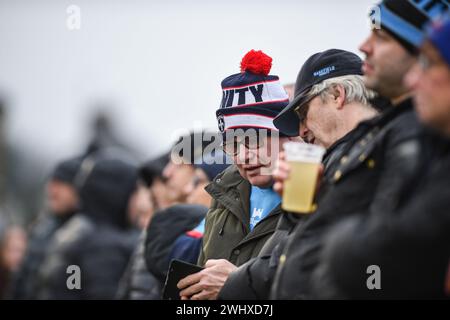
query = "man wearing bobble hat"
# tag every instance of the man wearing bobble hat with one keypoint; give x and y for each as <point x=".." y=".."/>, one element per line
<point x="245" y="209"/>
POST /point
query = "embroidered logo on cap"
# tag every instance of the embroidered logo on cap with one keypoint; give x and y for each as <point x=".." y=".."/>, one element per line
<point x="324" y="71"/>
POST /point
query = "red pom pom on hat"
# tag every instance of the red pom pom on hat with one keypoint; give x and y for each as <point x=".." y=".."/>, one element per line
<point x="256" y="62"/>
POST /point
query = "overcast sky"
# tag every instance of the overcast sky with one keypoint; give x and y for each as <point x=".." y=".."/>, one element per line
<point x="158" y="63"/>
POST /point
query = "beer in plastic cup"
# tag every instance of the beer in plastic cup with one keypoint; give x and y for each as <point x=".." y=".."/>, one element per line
<point x="299" y="189"/>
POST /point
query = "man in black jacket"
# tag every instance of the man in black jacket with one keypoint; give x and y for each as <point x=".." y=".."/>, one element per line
<point x="375" y="172"/>
<point x="403" y="253"/>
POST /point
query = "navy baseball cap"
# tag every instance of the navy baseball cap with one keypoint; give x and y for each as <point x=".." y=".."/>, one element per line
<point x="319" y="67"/>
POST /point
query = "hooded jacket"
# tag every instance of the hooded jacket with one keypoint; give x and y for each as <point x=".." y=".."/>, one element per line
<point x="98" y="240"/>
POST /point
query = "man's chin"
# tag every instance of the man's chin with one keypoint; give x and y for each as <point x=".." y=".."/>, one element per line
<point x="262" y="181"/>
<point x="370" y="81"/>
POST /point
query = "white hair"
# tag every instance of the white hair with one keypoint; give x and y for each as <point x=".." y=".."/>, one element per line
<point x="355" y="90"/>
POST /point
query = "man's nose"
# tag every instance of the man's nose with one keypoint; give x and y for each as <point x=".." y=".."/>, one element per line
<point x="242" y="150"/>
<point x="245" y="155"/>
<point x="168" y="170"/>
<point x="366" y="46"/>
<point x="188" y="189"/>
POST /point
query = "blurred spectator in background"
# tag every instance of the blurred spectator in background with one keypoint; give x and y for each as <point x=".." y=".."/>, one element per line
<point x="62" y="203"/>
<point x="104" y="133"/>
<point x="187" y="246"/>
<point x="151" y="174"/>
<point x="168" y="224"/>
<point x="141" y="207"/>
<point x="137" y="283"/>
<point x="447" y="281"/>
<point x="165" y="180"/>
<point x="3" y="153"/>
<point x="179" y="171"/>
<point x="99" y="240"/>
<point x="21" y="176"/>
<point x="13" y="244"/>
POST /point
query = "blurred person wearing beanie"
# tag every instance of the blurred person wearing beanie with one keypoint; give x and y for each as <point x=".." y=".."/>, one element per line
<point x="176" y="231"/>
<point x="151" y="192"/>
<point x="167" y="178"/>
<point x="62" y="203"/>
<point x="392" y="47"/>
<point x="62" y="196"/>
<point x="179" y="170"/>
<point x="100" y="238"/>
<point x="411" y="243"/>
<point x="432" y="98"/>
<point x="386" y="152"/>
<point x="187" y="246"/>
<point x="137" y="283"/>
<point x="245" y="209"/>
<point x="206" y="169"/>
<point x="151" y="175"/>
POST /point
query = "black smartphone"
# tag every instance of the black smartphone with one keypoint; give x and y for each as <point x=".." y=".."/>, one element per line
<point x="177" y="270"/>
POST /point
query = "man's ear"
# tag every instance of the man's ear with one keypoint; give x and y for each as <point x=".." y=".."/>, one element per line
<point x="339" y="96"/>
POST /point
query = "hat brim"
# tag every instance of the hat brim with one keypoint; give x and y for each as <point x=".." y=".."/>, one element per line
<point x="287" y="120"/>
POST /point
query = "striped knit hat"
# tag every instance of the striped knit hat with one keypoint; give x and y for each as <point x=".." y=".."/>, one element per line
<point x="406" y="19"/>
<point x="251" y="98"/>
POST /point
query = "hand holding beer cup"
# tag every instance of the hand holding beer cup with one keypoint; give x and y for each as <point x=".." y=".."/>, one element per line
<point x="297" y="175"/>
<point x="281" y="173"/>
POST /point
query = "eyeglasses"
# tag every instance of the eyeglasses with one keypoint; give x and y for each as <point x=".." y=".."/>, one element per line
<point x="302" y="112"/>
<point x="232" y="147"/>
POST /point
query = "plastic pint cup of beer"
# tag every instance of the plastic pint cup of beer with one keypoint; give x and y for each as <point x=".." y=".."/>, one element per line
<point x="299" y="189"/>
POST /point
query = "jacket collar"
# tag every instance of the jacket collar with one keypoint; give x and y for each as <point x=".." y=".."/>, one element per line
<point x="233" y="192"/>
